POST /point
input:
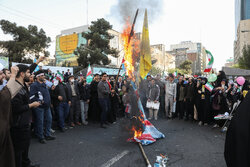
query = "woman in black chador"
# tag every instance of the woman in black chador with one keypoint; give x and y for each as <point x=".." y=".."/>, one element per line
<point x="237" y="146"/>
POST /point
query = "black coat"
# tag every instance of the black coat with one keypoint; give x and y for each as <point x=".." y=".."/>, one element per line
<point x="237" y="145"/>
<point x="84" y="92"/>
<point x="70" y="90"/>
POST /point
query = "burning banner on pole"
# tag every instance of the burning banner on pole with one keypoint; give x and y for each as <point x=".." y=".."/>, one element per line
<point x="143" y="131"/>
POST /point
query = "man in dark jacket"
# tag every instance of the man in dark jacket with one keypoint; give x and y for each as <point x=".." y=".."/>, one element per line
<point x="103" y="97"/>
<point x="74" y="101"/>
<point x="21" y="114"/>
<point x="84" y="100"/>
<point x="162" y="95"/>
<point x="189" y="98"/>
<point x="43" y="118"/>
<point x="61" y="101"/>
<point x="94" y="112"/>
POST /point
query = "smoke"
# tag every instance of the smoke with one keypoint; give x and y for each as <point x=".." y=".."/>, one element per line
<point x="125" y="9"/>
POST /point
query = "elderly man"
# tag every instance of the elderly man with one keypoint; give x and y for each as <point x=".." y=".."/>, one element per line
<point x="74" y="101"/>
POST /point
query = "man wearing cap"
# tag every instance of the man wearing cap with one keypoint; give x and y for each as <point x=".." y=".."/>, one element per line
<point x="74" y="98"/>
<point x="42" y="114"/>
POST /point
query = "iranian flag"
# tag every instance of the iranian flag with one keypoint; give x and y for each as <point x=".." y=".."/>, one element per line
<point x="89" y="77"/>
<point x="209" y="87"/>
<point x="210" y="61"/>
<point x="59" y="77"/>
<point x="175" y="73"/>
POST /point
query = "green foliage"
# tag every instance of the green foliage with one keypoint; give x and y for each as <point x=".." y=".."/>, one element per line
<point x="98" y="46"/>
<point x="154" y="71"/>
<point x="172" y="70"/>
<point x="186" y="67"/>
<point x="26" y="41"/>
<point x="244" y="61"/>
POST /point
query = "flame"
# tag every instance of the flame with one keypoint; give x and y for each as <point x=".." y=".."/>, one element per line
<point x="131" y="53"/>
<point x="137" y="133"/>
<point x="131" y="50"/>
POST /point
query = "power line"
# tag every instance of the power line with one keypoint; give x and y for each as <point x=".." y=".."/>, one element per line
<point x="11" y="10"/>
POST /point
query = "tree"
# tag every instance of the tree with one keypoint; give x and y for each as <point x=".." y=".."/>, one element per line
<point x="186" y="66"/>
<point x="155" y="70"/>
<point x="172" y="70"/>
<point x="244" y="61"/>
<point x="98" y="45"/>
<point x="26" y="41"/>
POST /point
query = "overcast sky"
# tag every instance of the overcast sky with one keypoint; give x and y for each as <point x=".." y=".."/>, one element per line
<point x="210" y="22"/>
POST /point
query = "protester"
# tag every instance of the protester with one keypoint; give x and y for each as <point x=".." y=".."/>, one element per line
<point x="143" y="89"/>
<point x="2" y="77"/>
<point x="162" y="95"/>
<point x="238" y="138"/>
<point x="114" y="101"/>
<point x="74" y="101"/>
<point x="153" y="95"/>
<point x="42" y="114"/>
<point x="84" y="90"/>
<point x="94" y="107"/>
<point x="8" y="92"/>
<point x="170" y="95"/>
<point x="62" y="104"/>
<point x="21" y="113"/>
<point x="180" y="98"/>
<point x="204" y="102"/>
<point x="189" y="99"/>
<point x="103" y="97"/>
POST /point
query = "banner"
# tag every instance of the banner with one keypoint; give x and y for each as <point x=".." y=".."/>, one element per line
<point x="4" y="61"/>
<point x="65" y="47"/>
<point x="109" y="71"/>
<point x="53" y="69"/>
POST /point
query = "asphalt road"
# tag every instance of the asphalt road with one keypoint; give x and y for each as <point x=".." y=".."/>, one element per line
<point x="186" y="144"/>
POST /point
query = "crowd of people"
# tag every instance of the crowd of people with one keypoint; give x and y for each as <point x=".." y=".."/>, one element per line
<point x="42" y="102"/>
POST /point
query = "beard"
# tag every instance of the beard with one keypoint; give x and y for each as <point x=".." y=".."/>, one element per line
<point x="1" y="81"/>
<point x="26" y="79"/>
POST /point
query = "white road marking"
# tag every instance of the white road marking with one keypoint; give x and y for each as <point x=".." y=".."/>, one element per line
<point x="115" y="159"/>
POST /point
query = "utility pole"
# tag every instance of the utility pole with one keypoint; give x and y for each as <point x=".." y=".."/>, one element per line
<point x="87" y="12"/>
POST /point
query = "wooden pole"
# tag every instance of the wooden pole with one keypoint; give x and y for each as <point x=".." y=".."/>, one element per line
<point x="144" y="155"/>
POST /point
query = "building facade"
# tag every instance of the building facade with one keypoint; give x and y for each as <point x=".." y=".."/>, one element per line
<point x="243" y="39"/>
<point x="68" y="41"/>
<point x="242" y="12"/>
<point x="188" y="50"/>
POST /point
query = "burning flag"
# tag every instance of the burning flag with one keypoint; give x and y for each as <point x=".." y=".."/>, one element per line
<point x="89" y="77"/>
<point x="143" y="131"/>
<point x="211" y="61"/>
<point x="145" y="57"/>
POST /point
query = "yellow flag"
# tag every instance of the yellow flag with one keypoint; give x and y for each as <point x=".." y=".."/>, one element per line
<point x="145" y="54"/>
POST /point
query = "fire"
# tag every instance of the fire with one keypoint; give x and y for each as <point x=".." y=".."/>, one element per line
<point x="131" y="50"/>
<point x="131" y="47"/>
<point x="137" y="133"/>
